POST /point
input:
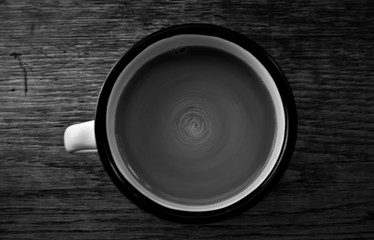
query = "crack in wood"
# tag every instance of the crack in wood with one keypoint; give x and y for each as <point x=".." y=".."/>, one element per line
<point x="18" y="57"/>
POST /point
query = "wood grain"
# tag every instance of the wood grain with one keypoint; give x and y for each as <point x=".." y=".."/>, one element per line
<point x="62" y="50"/>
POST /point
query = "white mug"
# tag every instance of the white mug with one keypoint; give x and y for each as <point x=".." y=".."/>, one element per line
<point x="194" y="123"/>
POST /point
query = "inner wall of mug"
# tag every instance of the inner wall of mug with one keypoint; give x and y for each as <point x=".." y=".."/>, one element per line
<point x="169" y="44"/>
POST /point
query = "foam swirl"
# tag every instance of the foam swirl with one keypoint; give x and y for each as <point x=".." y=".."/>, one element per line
<point x="192" y="125"/>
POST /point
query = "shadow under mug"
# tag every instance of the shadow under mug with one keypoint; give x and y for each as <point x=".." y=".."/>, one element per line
<point x="195" y="123"/>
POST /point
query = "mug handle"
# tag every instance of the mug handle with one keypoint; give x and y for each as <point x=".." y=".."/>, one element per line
<point x="80" y="138"/>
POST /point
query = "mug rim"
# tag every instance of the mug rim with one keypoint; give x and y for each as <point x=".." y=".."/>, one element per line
<point x="253" y="197"/>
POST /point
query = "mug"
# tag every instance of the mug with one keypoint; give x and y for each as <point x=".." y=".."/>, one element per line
<point x="195" y="123"/>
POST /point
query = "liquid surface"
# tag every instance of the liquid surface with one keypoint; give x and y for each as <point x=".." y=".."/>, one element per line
<point x="195" y="125"/>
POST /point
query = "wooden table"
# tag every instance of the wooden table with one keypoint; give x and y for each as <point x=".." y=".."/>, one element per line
<point x="54" y="57"/>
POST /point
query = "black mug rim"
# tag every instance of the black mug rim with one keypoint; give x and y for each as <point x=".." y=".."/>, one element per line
<point x="189" y="216"/>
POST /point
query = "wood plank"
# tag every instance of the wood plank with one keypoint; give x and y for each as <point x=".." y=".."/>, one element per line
<point x="63" y="51"/>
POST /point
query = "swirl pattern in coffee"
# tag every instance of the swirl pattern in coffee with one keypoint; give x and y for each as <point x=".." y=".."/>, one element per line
<point x="191" y="125"/>
<point x="195" y="125"/>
